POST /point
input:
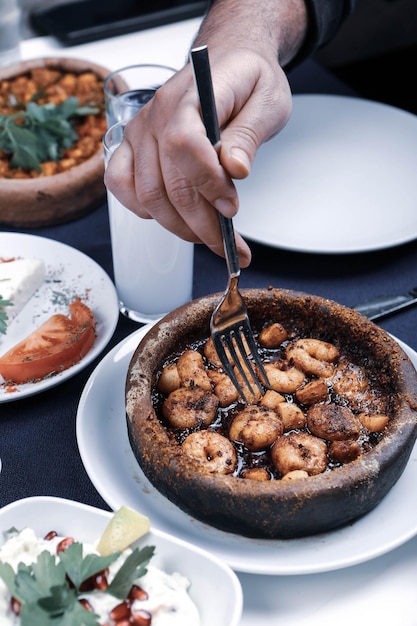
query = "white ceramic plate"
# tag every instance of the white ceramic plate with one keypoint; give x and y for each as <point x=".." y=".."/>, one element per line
<point x="379" y="592"/>
<point x="340" y="178"/>
<point x="112" y="467"/>
<point x="214" y="587"/>
<point x="69" y="274"/>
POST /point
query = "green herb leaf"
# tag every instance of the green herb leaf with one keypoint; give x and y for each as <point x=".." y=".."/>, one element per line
<point x="134" y="567"/>
<point x="79" y="569"/>
<point x="3" y="315"/>
<point x="77" y="616"/>
<point x="74" y="615"/>
<point x="41" y="132"/>
<point x="61" y="599"/>
<point x="46" y="597"/>
<point x="8" y="575"/>
<point x="35" y="581"/>
<point x="33" y="615"/>
<point x="25" y="148"/>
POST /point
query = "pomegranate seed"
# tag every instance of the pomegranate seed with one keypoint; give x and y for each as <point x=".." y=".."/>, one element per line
<point x="86" y="605"/>
<point x="15" y="605"/>
<point x="98" y="581"/>
<point x="101" y="582"/>
<point x="87" y="585"/>
<point x="64" y="544"/>
<point x="137" y="593"/>
<point x="120" y="612"/>
<point x="141" y="618"/>
<point x="51" y="535"/>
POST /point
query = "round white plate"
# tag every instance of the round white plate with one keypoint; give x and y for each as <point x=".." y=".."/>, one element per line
<point x="339" y="178"/>
<point x="112" y="467"/>
<point x="70" y="274"/>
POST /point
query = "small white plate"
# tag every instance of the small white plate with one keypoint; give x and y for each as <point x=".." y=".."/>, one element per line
<point x="110" y="463"/>
<point x="214" y="588"/>
<point x="339" y="178"/>
<point x="70" y="274"/>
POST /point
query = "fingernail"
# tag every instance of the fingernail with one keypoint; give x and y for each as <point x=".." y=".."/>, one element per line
<point x="242" y="157"/>
<point x="226" y="206"/>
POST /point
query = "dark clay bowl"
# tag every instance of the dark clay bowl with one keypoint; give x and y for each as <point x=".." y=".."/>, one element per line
<point x="62" y="197"/>
<point x="275" y="509"/>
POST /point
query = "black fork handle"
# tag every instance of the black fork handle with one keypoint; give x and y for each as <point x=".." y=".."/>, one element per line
<point x="202" y="76"/>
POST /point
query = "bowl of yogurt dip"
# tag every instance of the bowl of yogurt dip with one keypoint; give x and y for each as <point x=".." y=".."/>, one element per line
<point x="177" y="588"/>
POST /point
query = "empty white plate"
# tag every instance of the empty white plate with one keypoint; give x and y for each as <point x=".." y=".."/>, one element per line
<point x="339" y="178"/>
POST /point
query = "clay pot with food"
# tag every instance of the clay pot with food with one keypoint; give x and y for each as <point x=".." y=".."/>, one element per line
<point x="68" y="180"/>
<point x="321" y="451"/>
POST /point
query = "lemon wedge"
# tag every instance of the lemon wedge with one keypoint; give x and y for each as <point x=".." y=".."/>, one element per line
<point x="124" y="528"/>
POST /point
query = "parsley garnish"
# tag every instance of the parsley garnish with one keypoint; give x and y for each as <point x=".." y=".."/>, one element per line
<point x="48" y="599"/>
<point x="40" y="133"/>
<point x="134" y="567"/>
<point x="3" y="315"/>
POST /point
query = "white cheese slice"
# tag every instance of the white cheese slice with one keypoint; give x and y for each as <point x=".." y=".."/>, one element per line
<point x="19" y="280"/>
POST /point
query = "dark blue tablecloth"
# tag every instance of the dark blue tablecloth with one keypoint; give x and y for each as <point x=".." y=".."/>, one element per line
<point x="38" y="445"/>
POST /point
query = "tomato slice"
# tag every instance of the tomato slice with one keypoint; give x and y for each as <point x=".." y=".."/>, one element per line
<point x="56" y="345"/>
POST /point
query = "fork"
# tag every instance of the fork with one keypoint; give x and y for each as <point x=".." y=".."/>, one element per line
<point x="229" y="326"/>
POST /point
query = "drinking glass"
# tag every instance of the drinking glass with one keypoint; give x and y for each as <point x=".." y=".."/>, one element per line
<point x="153" y="269"/>
<point x="126" y="90"/>
<point x="10" y="35"/>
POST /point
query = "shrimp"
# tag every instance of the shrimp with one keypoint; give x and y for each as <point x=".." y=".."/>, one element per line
<point x="272" y="336"/>
<point x="350" y="384"/>
<point x="373" y="423"/>
<point x="224" y="389"/>
<point x="256" y="427"/>
<point x="333" y="422"/>
<point x="283" y="380"/>
<point x="256" y="473"/>
<point x="299" y="451"/>
<point x="344" y="451"/>
<point x="189" y="407"/>
<point x="271" y="399"/>
<point x="169" y="379"/>
<point x="355" y="388"/>
<point x="314" y="391"/>
<point x="211" y="354"/>
<point x="313" y="356"/>
<point x="191" y="370"/>
<point x="214" y="452"/>
<point x="294" y="475"/>
<point x="291" y="415"/>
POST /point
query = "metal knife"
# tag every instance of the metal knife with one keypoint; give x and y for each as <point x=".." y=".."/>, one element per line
<point x="382" y="306"/>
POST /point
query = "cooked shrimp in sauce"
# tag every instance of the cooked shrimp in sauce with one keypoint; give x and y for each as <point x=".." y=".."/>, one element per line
<point x="190" y="407"/>
<point x="321" y="410"/>
<point x="213" y="451"/>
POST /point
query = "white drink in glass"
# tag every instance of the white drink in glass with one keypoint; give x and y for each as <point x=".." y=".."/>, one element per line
<point x="153" y="269"/>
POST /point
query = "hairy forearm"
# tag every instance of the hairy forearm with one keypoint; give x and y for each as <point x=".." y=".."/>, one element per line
<point x="277" y="28"/>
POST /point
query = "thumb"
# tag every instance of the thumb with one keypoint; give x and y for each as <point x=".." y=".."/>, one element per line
<point x="260" y="119"/>
<point x="241" y="139"/>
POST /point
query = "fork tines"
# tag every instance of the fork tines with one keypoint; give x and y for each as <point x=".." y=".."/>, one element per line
<point x="234" y="341"/>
